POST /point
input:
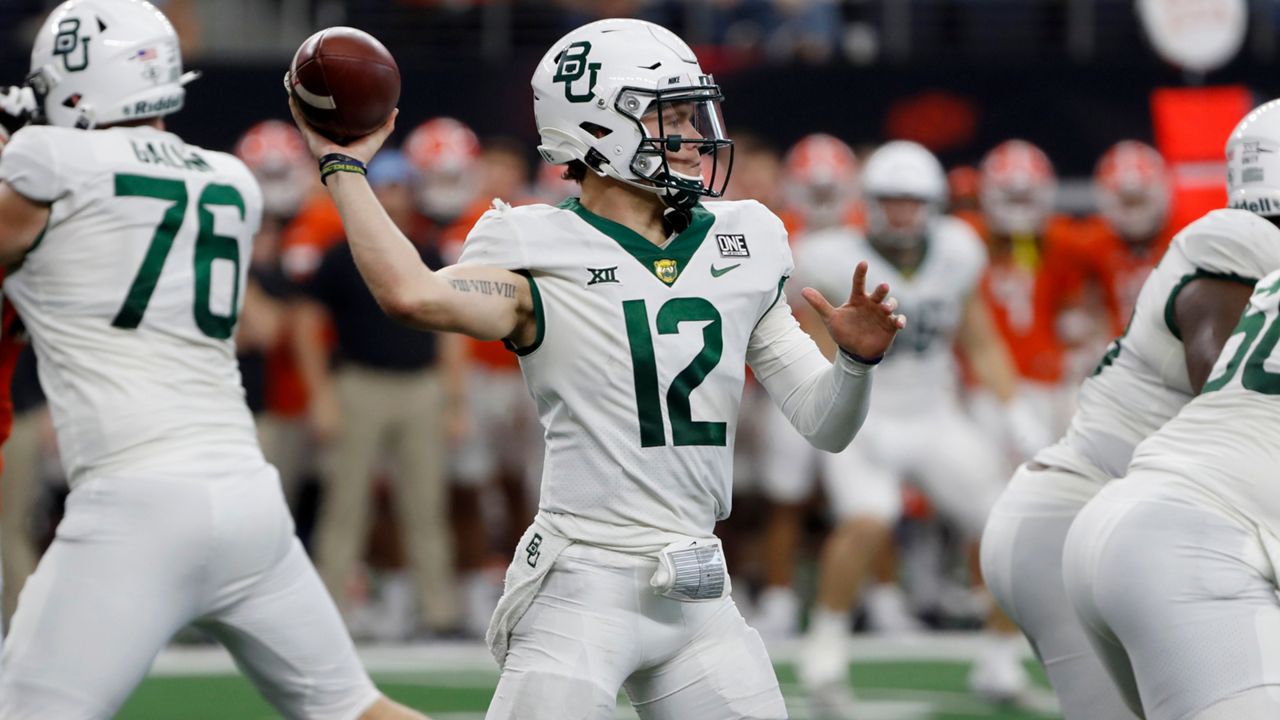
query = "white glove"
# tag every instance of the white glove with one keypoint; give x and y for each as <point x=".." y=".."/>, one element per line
<point x="19" y="102"/>
<point x="1027" y="431"/>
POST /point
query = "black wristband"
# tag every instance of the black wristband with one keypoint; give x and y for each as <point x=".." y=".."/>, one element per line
<point x="859" y="359"/>
<point x="336" y="163"/>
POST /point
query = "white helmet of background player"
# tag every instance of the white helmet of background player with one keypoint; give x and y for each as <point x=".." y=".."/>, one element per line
<point x="821" y="179"/>
<point x="1133" y="190"/>
<point x="98" y="62"/>
<point x="902" y="170"/>
<point x="1253" y="162"/>
<point x="594" y="85"/>
<point x="1018" y="187"/>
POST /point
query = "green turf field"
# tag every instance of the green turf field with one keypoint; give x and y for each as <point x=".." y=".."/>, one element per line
<point x="453" y="684"/>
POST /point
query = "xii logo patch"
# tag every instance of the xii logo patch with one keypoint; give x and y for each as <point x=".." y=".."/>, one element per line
<point x="603" y="275"/>
<point x="572" y="65"/>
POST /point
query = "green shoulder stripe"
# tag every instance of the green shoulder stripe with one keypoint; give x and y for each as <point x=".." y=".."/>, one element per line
<point x="1170" y="315"/>
<point x="539" y="318"/>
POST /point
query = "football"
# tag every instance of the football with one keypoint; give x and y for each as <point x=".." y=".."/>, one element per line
<point x="345" y="83"/>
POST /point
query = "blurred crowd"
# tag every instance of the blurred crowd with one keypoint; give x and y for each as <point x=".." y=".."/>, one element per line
<point x="412" y="460"/>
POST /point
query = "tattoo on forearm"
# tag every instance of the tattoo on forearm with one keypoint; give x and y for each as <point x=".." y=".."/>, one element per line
<point x="484" y="287"/>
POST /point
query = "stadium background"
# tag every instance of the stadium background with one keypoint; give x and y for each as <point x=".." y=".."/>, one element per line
<point x="1071" y="76"/>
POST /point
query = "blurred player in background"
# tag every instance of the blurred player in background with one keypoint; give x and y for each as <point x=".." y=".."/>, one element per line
<point x="1134" y="190"/>
<point x="392" y="394"/>
<point x="277" y="156"/>
<point x="635" y="310"/>
<point x="501" y="455"/>
<point x="550" y="185"/>
<point x="446" y="156"/>
<point x="1185" y="311"/>
<point x="1030" y="276"/>
<point x="131" y="244"/>
<point x="920" y="432"/>
<point x="820" y="184"/>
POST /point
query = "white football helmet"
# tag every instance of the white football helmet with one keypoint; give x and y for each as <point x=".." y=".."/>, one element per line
<point x="98" y="62"/>
<point x="594" y="85"/>
<point x="1253" y="161"/>
<point x="902" y="170"/>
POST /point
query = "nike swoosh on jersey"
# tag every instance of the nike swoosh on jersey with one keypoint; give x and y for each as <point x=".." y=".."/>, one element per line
<point x="717" y="272"/>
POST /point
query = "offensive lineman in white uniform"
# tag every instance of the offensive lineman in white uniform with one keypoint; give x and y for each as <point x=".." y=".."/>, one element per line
<point x="934" y="263"/>
<point x="1185" y="311"/>
<point x="634" y="310"/>
<point x="133" y="248"/>
<point x="1172" y="570"/>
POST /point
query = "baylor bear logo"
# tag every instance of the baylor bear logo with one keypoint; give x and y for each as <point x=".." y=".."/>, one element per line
<point x="572" y="66"/>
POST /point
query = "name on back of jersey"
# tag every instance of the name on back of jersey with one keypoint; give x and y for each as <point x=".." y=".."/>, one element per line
<point x="168" y="154"/>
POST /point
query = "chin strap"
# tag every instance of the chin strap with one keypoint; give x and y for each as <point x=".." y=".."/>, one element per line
<point x="676" y="220"/>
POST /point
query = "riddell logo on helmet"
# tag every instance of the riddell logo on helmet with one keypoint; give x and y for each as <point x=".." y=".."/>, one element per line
<point x="142" y="107"/>
<point x="1261" y="207"/>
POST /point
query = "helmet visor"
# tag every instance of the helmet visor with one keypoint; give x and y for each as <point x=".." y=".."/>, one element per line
<point x="684" y="145"/>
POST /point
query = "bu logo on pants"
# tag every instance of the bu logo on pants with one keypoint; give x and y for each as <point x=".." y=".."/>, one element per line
<point x="533" y="550"/>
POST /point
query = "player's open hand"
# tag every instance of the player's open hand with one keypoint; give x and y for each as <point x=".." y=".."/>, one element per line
<point x="362" y="149"/>
<point x="865" y="325"/>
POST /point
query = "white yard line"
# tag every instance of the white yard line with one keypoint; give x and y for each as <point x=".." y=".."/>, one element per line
<point x="474" y="656"/>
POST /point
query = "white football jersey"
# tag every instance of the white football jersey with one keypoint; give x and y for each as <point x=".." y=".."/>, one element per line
<point x="920" y="369"/>
<point x="1221" y="449"/>
<point x="638" y="365"/>
<point x="131" y="296"/>
<point x="1142" y="380"/>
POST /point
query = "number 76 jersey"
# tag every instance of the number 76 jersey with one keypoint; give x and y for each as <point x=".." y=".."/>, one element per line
<point x="132" y="292"/>
<point x="638" y="365"/>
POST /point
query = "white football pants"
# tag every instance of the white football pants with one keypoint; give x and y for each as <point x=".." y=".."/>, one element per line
<point x="137" y="559"/>
<point x="1179" y="602"/>
<point x="596" y="626"/>
<point x="1022" y="566"/>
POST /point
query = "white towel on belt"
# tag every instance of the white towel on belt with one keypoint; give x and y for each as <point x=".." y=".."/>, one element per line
<point x="535" y="554"/>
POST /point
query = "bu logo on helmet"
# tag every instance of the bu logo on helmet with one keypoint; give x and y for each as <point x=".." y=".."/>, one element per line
<point x="572" y="66"/>
<point x="73" y="48"/>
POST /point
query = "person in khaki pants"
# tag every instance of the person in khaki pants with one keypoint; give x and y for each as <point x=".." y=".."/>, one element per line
<point x="20" y="481"/>
<point x="392" y="395"/>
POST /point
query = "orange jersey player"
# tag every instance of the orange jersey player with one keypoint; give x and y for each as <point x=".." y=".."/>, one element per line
<point x="1030" y="273"/>
<point x="821" y="186"/>
<point x="1123" y="244"/>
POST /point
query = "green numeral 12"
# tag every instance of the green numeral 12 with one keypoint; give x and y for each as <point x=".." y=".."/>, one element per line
<point x="684" y="429"/>
<point x="209" y="247"/>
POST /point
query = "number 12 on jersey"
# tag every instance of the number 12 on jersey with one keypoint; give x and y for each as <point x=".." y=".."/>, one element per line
<point x="209" y="247"/>
<point x="644" y="364"/>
